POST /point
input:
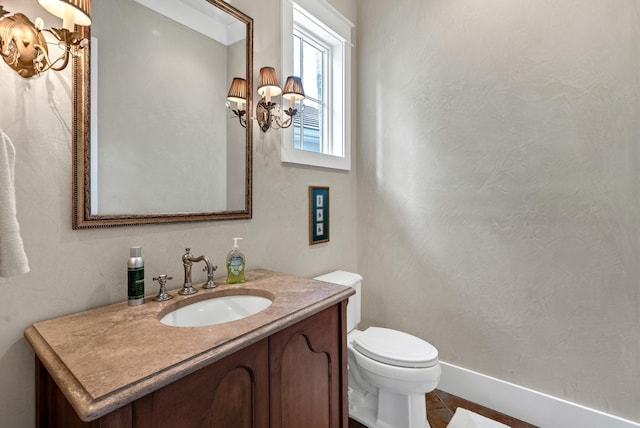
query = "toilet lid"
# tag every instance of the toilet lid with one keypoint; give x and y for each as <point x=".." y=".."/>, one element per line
<point x="395" y="348"/>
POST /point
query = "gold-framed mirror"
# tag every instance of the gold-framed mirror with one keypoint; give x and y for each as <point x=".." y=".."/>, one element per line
<point x="153" y="141"/>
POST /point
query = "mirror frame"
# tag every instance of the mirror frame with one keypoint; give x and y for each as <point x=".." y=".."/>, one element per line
<point x="82" y="218"/>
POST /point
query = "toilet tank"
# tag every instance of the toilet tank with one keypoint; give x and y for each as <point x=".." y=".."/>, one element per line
<point x="354" y="281"/>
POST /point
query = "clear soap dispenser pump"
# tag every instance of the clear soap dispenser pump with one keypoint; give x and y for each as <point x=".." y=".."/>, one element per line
<point x="235" y="264"/>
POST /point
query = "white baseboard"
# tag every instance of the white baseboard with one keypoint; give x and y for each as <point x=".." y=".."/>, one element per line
<point x="522" y="403"/>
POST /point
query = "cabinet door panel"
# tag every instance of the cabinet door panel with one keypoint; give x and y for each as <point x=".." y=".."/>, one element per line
<point x="230" y="393"/>
<point x="306" y="385"/>
<point x="232" y="399"/>
<point x="306" y="375"/>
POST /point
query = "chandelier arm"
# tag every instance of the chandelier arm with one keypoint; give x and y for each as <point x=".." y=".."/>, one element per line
<point x="242" y="118"/>
<point x="287" y="123"/>
<point x="68" y="42"/>
<point x="65" y="58"/>
<point x="42" y="57"/>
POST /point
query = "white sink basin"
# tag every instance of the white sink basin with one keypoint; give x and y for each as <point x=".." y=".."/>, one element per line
<point x="216" y="311"/>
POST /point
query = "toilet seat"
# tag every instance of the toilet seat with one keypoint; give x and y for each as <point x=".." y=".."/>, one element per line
<point x="395" y="348"/>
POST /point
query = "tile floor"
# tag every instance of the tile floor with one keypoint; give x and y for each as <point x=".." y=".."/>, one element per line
<point x="441" y="406"/>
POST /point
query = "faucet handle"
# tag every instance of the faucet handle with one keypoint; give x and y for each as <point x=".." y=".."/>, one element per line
<point x="162" y="294"/>
<point x="209" y="268"/>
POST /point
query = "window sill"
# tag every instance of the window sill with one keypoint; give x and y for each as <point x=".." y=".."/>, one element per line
<point x="302" y="157"/>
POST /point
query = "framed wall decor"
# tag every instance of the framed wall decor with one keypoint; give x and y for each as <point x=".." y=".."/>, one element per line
<point x="318" y="214"/>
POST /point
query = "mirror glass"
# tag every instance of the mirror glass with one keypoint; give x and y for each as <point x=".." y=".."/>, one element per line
<point x="154" y="140"/>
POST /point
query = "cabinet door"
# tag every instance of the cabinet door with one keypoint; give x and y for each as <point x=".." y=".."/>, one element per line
<point x="308" y="372"/>
<point x="230" y="393"/>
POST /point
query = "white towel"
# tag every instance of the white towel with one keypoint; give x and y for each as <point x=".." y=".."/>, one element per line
<point x="464" y="418"/>
<point x="13" y="259"/>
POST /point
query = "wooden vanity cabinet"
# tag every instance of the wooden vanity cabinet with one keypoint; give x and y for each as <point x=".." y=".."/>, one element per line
<point x="295" y="378"/>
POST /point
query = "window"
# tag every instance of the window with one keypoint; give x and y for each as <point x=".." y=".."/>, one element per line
<point x="316" y="47"/>
<point x="309" y="62"/>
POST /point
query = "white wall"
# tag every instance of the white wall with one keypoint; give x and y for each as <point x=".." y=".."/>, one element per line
<point x="498" y="176"/>
<point x="76" y="270"/>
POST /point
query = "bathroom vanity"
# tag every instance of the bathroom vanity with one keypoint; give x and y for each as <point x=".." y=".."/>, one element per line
<point x="118" y="366"/>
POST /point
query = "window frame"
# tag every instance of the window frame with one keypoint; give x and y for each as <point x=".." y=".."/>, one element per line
<point x="319" y="13"/>
<point x="308" y="37"/>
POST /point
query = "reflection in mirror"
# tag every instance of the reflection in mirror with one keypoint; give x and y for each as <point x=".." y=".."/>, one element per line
<point x="158" y="144"/>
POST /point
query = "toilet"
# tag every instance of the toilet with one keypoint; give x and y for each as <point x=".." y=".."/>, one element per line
<point x="389" y="371"/>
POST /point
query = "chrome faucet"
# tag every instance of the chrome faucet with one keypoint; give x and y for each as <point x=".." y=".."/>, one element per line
<point x="187" y="261"/>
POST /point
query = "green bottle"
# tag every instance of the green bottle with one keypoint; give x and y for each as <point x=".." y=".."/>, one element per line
<point x="235" y="264"/>
<point x="135" y="277"/>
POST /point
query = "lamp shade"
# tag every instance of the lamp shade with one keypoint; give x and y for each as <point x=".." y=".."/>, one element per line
<point x="238" y="90"/>
<point x="77" y="11"/>
<point x="293" y="89"/>
<point x="268" y="80"/>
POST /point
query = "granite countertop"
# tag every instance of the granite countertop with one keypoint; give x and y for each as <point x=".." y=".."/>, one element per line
<point x="107" y="357"/>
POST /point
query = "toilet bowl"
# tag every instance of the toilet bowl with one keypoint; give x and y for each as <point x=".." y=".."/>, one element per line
<point x="389" y="371"/>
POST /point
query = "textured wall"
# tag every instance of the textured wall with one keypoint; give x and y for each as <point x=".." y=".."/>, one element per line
<point x="77" y="270"/>
<point x="498" y="176"/>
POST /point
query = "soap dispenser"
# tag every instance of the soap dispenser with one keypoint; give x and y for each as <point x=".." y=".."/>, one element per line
<point x="235" y="264"/>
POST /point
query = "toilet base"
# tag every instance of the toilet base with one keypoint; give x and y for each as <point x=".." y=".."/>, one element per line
<point x="386" y="409"/>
